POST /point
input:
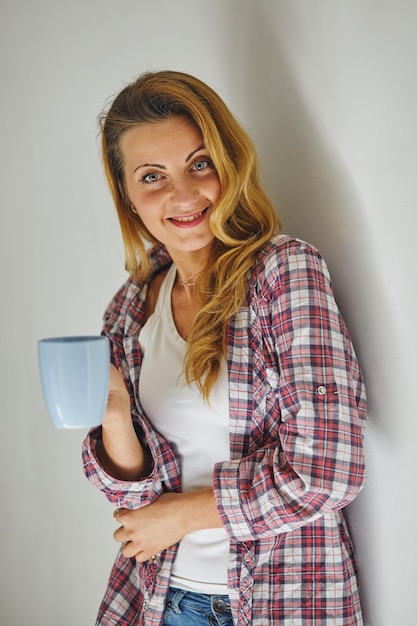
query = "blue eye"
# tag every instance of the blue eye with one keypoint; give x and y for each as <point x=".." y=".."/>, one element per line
<point x="152" y="177"/>
<point x="202" y="164"/>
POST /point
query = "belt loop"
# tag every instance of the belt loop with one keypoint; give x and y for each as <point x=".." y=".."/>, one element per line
<point x="174" y="600"/>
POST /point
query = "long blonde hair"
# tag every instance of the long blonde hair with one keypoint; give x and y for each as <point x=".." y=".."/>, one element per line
<point x="242" y="222"/>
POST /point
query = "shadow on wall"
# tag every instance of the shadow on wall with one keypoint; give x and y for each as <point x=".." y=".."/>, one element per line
<point x="317" y="200"/>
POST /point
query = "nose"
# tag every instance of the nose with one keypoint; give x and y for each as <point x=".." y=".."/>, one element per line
<point x="183" y="194"/>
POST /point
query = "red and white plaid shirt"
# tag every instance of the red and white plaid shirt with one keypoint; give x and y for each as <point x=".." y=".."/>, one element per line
<point x="297" y="413"/>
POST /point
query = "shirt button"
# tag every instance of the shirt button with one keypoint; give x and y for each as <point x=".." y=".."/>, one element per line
<point x="321" y="390"/>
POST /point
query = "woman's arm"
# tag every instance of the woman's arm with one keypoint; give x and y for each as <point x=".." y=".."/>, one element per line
<point x="147" y="531"/>
<point x="120" y="451"/>
<point x="126" y="458"/>
<point x="311" y="459"/>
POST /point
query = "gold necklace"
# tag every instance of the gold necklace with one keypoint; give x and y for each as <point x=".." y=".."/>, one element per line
<point x="186" y="283"/>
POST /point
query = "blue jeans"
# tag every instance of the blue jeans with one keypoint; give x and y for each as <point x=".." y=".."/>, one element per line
<point x="184" y="608"/>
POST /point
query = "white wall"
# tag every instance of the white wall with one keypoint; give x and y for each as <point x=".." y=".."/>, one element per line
<point x="328" y="91"/>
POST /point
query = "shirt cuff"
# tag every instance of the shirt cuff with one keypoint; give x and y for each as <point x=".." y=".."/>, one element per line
<point x="122" y="493"/>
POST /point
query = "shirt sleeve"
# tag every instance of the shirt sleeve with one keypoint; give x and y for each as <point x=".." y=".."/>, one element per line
<point x="311" y="460"/>
<point x="124" y="494"/>
<point x="165" y="469"/>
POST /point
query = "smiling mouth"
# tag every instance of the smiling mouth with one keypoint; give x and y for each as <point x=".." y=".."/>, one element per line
<point x="189" y="218"/>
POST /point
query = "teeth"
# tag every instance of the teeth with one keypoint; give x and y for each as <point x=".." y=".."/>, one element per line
<point x="188" y="219"/>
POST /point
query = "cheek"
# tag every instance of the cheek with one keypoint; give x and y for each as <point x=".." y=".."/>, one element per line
<point x="216" y="189"/>
<point x="143" y="202"/>
<point x="147" y="215"/>
<point x="142" y="207"/>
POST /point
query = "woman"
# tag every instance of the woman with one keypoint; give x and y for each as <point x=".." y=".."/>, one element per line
<point x="234" y="428"/>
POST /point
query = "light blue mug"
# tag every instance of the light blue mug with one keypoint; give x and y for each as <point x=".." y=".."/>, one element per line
<point x="75" y="374"/>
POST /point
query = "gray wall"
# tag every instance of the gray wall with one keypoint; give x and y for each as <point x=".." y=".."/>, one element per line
<point x="328" y="91"/>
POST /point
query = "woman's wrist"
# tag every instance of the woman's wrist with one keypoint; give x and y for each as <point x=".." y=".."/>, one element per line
<point x="198" y="510"/>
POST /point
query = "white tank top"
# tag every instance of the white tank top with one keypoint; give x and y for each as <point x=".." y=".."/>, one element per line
<point x="198" y="433"/>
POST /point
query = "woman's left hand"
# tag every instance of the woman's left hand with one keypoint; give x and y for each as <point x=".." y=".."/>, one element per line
<point x="147" y="531"/>
<point x="151" y="529"/>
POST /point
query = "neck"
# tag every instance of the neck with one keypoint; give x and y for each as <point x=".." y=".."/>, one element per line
<point x="186" y="283"/>
<point x="189" y="265"/>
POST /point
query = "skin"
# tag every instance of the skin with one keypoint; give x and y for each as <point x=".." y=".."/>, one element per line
<point x="173" y="187"/>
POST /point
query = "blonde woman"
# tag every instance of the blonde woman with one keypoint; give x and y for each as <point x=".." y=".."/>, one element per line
<point x="233" y="436"/>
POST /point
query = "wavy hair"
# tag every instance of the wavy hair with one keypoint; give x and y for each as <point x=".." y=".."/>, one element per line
<point x="242" y="222"/>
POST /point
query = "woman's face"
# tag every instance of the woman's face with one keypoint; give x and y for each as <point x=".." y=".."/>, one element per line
<point x="171" y="182"/>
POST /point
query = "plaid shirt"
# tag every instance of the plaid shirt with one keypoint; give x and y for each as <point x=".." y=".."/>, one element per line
<point x="297" y="412"/>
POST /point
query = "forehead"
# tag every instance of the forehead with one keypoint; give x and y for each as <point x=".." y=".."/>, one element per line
<point x="177" y="135"/>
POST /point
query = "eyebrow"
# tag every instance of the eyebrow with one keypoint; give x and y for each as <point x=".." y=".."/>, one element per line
<point x="162" y="167"/>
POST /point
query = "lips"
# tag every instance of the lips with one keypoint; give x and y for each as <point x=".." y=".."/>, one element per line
<point x="189" y="220"/>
